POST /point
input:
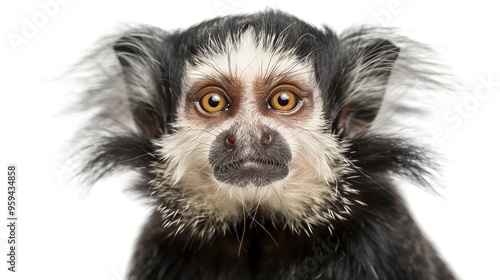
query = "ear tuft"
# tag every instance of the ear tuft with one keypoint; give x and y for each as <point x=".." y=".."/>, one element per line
<point x="125" y="50"/>
<point x="139" y="55"/>
<point x="379" y="57"/>
<point x="369" y="68"/>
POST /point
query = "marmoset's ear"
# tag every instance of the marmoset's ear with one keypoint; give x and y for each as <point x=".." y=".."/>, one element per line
<point x="141" y="58"/>
<point x="366" y="74"/>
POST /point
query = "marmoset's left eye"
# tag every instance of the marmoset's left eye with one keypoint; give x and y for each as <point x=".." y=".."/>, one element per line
<point x="213" y="100"/>
<point x="283" y="100"/>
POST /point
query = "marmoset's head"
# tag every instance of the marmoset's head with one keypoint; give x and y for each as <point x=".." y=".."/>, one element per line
<point x="260" y="117"/>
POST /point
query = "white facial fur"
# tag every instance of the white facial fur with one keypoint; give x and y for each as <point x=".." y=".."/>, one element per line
<point x="301" y="199"/>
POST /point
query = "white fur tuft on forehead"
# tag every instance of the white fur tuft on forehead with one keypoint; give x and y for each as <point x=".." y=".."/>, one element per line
<point x="248" y="57"/>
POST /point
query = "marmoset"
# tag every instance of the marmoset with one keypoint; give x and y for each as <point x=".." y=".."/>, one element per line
<point x="260" y="142"/>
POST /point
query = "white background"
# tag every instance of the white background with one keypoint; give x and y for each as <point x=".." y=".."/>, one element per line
<point x="64" y="234"/>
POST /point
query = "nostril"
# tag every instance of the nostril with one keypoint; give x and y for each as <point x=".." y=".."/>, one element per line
<point x="266" y="139"/>
<point x="230" y="140"/>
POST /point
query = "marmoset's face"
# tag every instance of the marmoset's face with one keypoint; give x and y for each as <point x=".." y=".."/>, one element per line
<point x="250" y="132"/>
<point x="252" y="118"/>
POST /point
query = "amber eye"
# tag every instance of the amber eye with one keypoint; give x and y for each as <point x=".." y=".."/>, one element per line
<point x="213" y="102"/>
<point x="284" y="101"/>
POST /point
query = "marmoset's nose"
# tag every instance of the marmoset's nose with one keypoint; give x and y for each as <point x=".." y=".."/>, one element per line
<point x="244" y="157"/>
<point x="266" y="139"/>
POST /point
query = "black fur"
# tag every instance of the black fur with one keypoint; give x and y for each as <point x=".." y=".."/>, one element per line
<point x="380" y="241"/>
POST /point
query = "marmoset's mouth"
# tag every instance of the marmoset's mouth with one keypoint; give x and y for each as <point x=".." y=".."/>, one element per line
<point x="254" y="171"/>
<point x="252" y="163"/>
<point x="242" y="158"/>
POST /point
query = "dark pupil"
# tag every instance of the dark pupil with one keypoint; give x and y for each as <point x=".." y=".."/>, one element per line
<point x="214" y="101"/>
<point x="283" y="99"/>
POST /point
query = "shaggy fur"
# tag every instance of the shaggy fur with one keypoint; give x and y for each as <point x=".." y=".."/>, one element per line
<point x="251" y="191"/>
